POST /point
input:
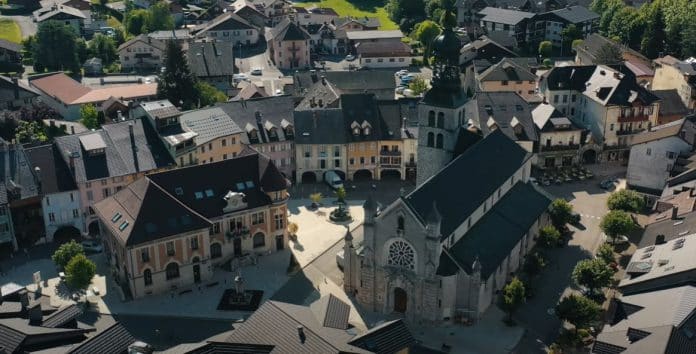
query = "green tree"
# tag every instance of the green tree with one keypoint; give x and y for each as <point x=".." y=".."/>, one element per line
<point x="136" y="22"/>
<point x="89" y="116"/>
<point x="209" y="94"/>
<point x="79" y="271"/>
<point x="426" y="32"/>
<point x="159" y="17"/>
<point x="592" y="274"/>
<point x="55" y="48"/>
<point x="617" y="223"/>
<point x="605" y="252"/>
<point x="27" y="132"/>
<point x="576" y="43"/>
<point x="628" y="25"/>
<point x="418" y="85"/>
<point x="654" y="37"/>
<point x="578" y="310"/>
<point x="533" y="263"/>
<point x="406" y="13"/>
<point x="689" y="40"/>
<point x="177" y="83"/>
<point x="316" y="199"/>
<point x="66" y="252"/>
<point x="513" y="296"/>
<point x="560" y="212"/>
<point x="104" y="48"/>
<point x="569" y="35"/>
<point x="549" y="236"/>
<point x="626" y="200"/>
<point x="82" y="50"/>
<point x="545" y="49"/>
<point x="341" y="195"/>
<point x="609" y="54"/>
<point x="607" y="16"/>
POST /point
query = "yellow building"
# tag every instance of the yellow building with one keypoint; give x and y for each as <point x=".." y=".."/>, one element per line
<point x="219" y="137"/>
<point x="508" y="76"/>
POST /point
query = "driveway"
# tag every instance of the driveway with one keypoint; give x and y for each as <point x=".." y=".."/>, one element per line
<point x="26" y="25"/>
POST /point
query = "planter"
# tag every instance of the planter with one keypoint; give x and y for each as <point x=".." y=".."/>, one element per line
<point x="340" y="215"/>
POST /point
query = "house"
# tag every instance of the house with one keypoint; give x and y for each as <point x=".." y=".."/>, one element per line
<point x="141" y="53"/>
<point x="671" y="73"/>
<point x="467" y="10"/>
<point x="104" y="161"/>
<point x="218" y="136"/>
<point x="348" y="24"/>
<point x="10" y="55"/>
<point x="675" y="205"/>
<point x="508" y="76"/>
<point x="288" y="45"/>
<point x="654" y="153"/>
<point x="239" y="209"/>
<point x="228" y="27"/>
<point x="249" y="11"/>
<point x="559" y="137"/>
<point x="165" y="119"/>
<point x="64" y="14"/>
<point x="274" y="10"/>
<point x="320" y="144"/>
<point x="15" y="94"/>
<point x="60" y="198"/>
<point x="213" y="62"/>
<point x="671" y="106"/>
<point x="548" y="26"/>
<point x="511" y="21"/>
<point x="269" y="128"/>
<point x="314" y="15"/>
<point x="657" y="321"/>
<point x="483" y="48"/>
<point x="249" y="91"/>
<point x="430" y="256"/>
<point x="93" y="67"/>
<point x="379" y="49"/>
<point x="593" y="45"/>
<point x="182" y="36"/>
<point x="66" y="96"/>
<point x="312" y="84"/>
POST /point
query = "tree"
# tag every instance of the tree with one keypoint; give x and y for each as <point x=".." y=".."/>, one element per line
<point x="578" y="310"/>
<point x="89" y="116"/>
<point x="549" y="236"/>
<point x="27" y="132"/>
<point x="689" y="40"/>
<point x="609" y="54"/>
<point x="136" y="21"/>
<point x="293" y="228"/>
<point x="576" y="44"/>
<point x="569" y="35"/>
<point x="533" y="263"/>
<point x="80" y="271"/>
<point x="513" y="296"/>
<point x="159" y="17"/>
<point x="592" y="274"/>
<point x="66" y="252"/>
<point x="418" y="85"/>
<point x="341" y="195"/>
<point x="55" y="48"/>
<point x="654" y="37"/>
<point x="617" y="223"/>
<point x="209" y="94"/>
<point x="605" y="252"/>
<point x="626" y="200"/>
<point x="426" y="32"/>
<point x="628" y="26"/>
<point x="316" y="199"/>
<point x="560" y="212"/>
<point x="104" y="48"/>
<point x="177" y="83"/>
<point x="545" y="49"/>
<point x="612" y="8"/>
<point x="406" y="13"/>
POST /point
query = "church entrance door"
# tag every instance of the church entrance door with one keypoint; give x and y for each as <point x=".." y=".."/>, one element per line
<point x="400" y="300"/>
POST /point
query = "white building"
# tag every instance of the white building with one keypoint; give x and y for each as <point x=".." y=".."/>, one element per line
<point x="228" y="27"/>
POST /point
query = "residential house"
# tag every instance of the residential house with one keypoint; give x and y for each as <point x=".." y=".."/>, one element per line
<point x="379" y="49"/>
<point x="508" y="76"/>
<point x="213" y="62"/>
<point x="548" y="26"/>
<point x="165" y="119"/>
<point x="141" y="53"/>
<point x="218" y="136"/>
<point x="320" y="144"/>
<point x="349" y="24"/>
<point x="467" y="11"/>
<point x="329" y="85"/>
<point x="478" y="66"/>
<point x="228" y="27"/>
<point x="182" y="36"/>
<point x="430" y="256"/>
<point x="483" y="48"/>
<point x="104" y="161"/>
<point x="269" y="128"/>
<point x="249" y="91"/>
<point x="251" y="12"/>
<point x="60" y="198"/>
<point x="511" y="21"/>
<point x="239" y="209"/>
<point x="674" y="74"/>
<point x="288" y="45"/>
<point x="61" y="13"/>
<point x="654" y="154"/>
<point x="671" y="106"/>
<point x="559" y="137"/>
<point x="274" y="10"/>
<point x="66" y="96"/>
<point x="657" y="321"/>
<point x="314" y="15"/>
<point x="15" y="94"/>
<point x="10" y="55"/>
<point x="593" y="45"/>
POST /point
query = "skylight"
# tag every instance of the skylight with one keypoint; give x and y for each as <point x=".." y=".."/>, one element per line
<point x="209" y="193"/>
<point x="123" y="226"/>
<point x="249" y="184"/>
<point x="199" y="195"/>
<point x="116" y="217"/>
<point x="179" y="191"/>
<point x="240" y="186"/>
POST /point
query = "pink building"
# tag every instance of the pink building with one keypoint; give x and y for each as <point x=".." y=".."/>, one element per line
<point x="289" y="45"/>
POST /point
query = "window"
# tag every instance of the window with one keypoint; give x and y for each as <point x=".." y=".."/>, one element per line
<point x="51" y="217"/>
<point x="441" y="120"/>
<point x="172" y="271"/>
<point x="279" y="221"/>
<point x="400" y="223"/>
<point x="351" y="161"/>
<point x="505" y="83"/>
<point x="145" y="255"/>
<point x="402" y="255"/>
<point x="440" y="141"/>
<point x="573" y="97"/>
<point x="555" y="98"/>
<point x="648" y="151"/>
<point x="337" y="151"/>
<point x="431" y="139"/>
<point x="147" y="277"/>
<point x="90" y="196"/>
<point x="257" y="218"/>
<point x="215" y="250"/>
<point x="670" y="155"/>
<point x="75" y="213"/>
<point x="72" y="197"/>
<point x="362" y="160"/>
<point x="48" y="201"/>
<point x="431" y="119"/>
<point x="194" y="243"/>
<point x="611" y="127"/>
<point x="337" y="163"/>
<point x="565" y="98"/>
<point x="259" y="240"/>
<point x="170" y="248"/>
<point x="224" y="142"/>
<point x="106" y="192"/>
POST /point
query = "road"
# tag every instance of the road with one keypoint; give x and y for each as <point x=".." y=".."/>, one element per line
<point x="26" y="25"/>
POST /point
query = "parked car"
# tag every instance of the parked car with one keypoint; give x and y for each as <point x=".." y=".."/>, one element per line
<point x="401" y="73"/>
<point x="92" y="246"/>
<point x="333" y="180"/>
<point x="607" y="183"/>
<point x="621" y="239"/>
<point x="240" y="77"/>
<point x="256" y="71"/>
<point x="350" y="57"/>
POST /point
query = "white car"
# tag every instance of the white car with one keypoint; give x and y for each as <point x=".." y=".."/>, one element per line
<point x="350" y="57"/>
<point x="148" y="80"/>
<point x="278" y="92"/>
<point x="92" y="246"/>
<point x="240" y="77"/>
<point x="256" y="71"/>
<point x="401" y="73"/>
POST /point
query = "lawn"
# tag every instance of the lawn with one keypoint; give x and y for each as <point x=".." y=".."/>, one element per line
<point x="356" y="8"/>
<point x="9" y="30"/>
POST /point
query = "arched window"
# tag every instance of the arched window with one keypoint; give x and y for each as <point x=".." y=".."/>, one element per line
<point x="400" y="223"/>
<point x="147" y="277"/>
<point x="431" y="119"/>
<point x="402" y="255"/>
<point x="439" y="143"/>
<point x="215" y="250"/>
<point x="431" y="139"/>
<point x="259" y="240"/>
<point x="172" y="271"/>
<point x="441" y="120"/>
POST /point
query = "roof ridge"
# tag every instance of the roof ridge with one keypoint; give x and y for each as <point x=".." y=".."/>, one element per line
<point x="274" y="303"/>
<point x="176" y="199"/>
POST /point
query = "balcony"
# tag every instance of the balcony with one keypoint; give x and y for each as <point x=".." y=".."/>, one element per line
<point x="633" y="118"/>
<point x="390" y="152"/>
<point x="240" y="232"/>
<point x="629" y="132"/>
<point x="560" y="147"/>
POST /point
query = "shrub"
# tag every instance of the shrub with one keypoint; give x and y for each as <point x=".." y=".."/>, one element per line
<point x="534" y="263"/>
<point x="80" y="271"/>
<point x="66" y="252"/>
<point x="626" y="200"/>
<point x="549" y="236"/>
<point x="605" y="252"/>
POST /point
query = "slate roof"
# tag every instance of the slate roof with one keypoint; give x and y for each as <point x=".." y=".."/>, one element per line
<point x="60" y="11"/>
<point x="547" y="119"/>
<point x="55" y="175"/>
<point x="387" y="338"/>
<point x="505" y="16"/>
<point x="115" y="339"/>
<point x="120" y="158"/>
<point x="484" y="48"/>
<point x="670" y="103"/>
<point x="466" y="182"/>
<point x="210" y="59"/>
<point x="254" y="171"/>
<point x="494" y="236"/>
<point x="507" y="70"/>
<point x="175" y="34"/>
<point x="329" y="128"/>
<point x="209" y="124"/>
<point x="609" y="86"/>
<point x="594" y="42"/>
<point x="374" y="35"/>
<point x="331" y="312"/>
<point x="62" y="316"/>
<point x="370" y="22"/>
<point x="278" y="110"/>
<point x="347" y="81"/>
<point x="144" y="38"/>
<point x="218" y="347"/>
<point x="567" y="77"/>
<point x="16" y="173"/>
<point x="505" y="109"/>
<point x="286" y="30"/>
<point x="18" y="336"/>
<point x="575" y="14"/>
<point x="7" y="89"/>
<point x="659" y="132"/>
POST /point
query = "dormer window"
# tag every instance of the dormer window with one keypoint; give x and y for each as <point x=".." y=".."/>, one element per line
<point x="366" y="131"/>
<point x="273" y="133"/>
<point x="254" y="135"/>
<point x="356" y="131"/>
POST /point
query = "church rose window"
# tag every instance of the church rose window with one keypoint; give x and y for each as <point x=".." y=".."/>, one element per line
<point x="401" y="254"/>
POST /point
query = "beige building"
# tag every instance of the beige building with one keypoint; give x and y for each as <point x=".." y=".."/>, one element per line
<point x="218" y="136"/>
<point x="289" y="45"/>
<point x="672" y="73"/>
<point x="228" y="27"/>
<point x="559" y="137"/>
<point x="141" y="53"/>
<point x="508" y="76"/>
<point x="164" y="118"/>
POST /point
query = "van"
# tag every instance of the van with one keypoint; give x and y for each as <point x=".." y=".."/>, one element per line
<point x="333" y="180"/>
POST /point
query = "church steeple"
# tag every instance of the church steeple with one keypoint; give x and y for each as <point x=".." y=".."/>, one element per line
<point x="446" y="49"/>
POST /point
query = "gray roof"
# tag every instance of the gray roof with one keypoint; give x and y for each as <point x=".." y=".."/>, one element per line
<point x="575" y="14"/>
<point x="507" y="70"/>
<point x="209" y="124"/>
<point x="17" y="178"/>
<point x="505" y="109"/>
<point x="175" y="34"/>
<point x="666" y="227"/>
<point x="278" y="110"/>
<point x="320" y="126"/>
<point x="670" y="103"/>
<point x="10" y="46"/>
<point x="373" y="34"/>
<point x="331" y="312"/>
<point x="227" y="21"/>
<point x="60" y="12"/>
<point x="7" y="90"/>
<point x="210" y="59"/>
<point x="62" y="316"/>
<point x="121" y="157"/>
<point x="379" y="82"/>
<point x="115" y="339"/>
<point x="387" y="338"/>
<point x="505" y="16"/>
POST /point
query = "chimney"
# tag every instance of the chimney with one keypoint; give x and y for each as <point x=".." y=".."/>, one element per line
<point x="323" y="80"/>
<point x="37" y="178"/>
<point x="321" y="103"/>
<point x="675" y="212"/>
<point x="24" y="299"/>
<point x="15" y="86"/>
<point x="133" y="147"/>
<point x="660" y="239"/>
<point x="314" y="119"/>
<point x="72" y="129"/>
<point x="35" y="314"/>
<point x="300" y="333"/>
<point x="257" y="114"/>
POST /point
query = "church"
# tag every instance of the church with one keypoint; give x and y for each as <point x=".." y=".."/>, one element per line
<point x="442" y="252"/>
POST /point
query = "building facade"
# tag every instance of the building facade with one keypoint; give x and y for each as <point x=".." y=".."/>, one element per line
<point x="141" y="53"/>
<point x="289" y="45"/>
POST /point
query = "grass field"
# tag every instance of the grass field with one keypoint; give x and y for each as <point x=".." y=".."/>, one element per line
<point x="356" y="8"/>
<point x="9" y="30"/>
